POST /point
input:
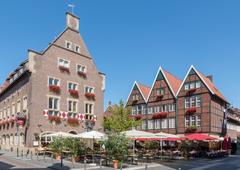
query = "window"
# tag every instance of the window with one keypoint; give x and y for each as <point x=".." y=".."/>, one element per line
<point x="81" y="68"/>
<point x="198" y="84"/>
<point x="150" y="124"/>
<point x="89" y="89"/>
<point x="72" y="106"/>
<point x="88" y="108"/>
<point x="164" y="123"/>
<point x="18" y="106"/>
<point x="68" y="45"/>
<point x="53" y="103"/>
<point x="192" y="85"/>
<point x="77" y="49"/>
<point x="135" y="97"/>
<point x="144" y="109"/>
<point x="53" y="81"/>
<point x="134" y="110"/>
<point x="25" y="103"/>
<point x="150" y="110"/>
<point x="144" y="124"/>
<point x="186" y="86"/>
<point x="160" y="91"/>
<point x="198" y="120"/>
<point x="171" y="122"/>
<point x="157" y="124"/>
<point x="139" y="109"/>
<point x="192" y="121"/>
<point x="72" y="86"/>
<point x="63" y="63"/>
<point x="171" y="107"/>
<point x="4" y="113"/>
<point x="157" y="109"/>
<point x="187" y="121"/>
<point x="194" y="101"/>
<point x="13" y="109"/>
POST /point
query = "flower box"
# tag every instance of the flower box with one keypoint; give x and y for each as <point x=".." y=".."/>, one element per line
<point x="191" y="110"/>
<point x="191" y="129"/>
<point x="74" y="93"/>
<point x="159" y="97"/>
<point x="72" y="121"/>
<point x="64" y="69"/>
<point x="55" y="88"/>
<point x="90" y="95"/>
<point x="137" y="117"/>
<point x="190" y="91"/>
<point x="55" y="119"/>
<point x="159" y="115"/>
<point x="134" y="101"/>
<point x="82" y="74"/>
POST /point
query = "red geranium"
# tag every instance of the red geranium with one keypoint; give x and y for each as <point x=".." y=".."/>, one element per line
<point x="90" y="95"/>
<point x="55" y="88"/>
<point x="191" y="110"/>
<point x="74" y="93"/>
<point x="65" y="69"/>
<point x="159" y="115"/>
<point x="82" y="74"/>
<point x="55" y="119"/>
<point x="73" y="121"/>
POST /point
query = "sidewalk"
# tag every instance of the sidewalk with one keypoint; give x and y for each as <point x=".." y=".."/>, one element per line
<point x="48" y="163"/>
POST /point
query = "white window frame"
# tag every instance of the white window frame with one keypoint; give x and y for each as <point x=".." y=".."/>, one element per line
<point x="88" y="108"/>
<point x="66" y="45"/>
<point x="186" y="86"/>
<point x="80" y="65"/>
<point x="54" y="78"/>
<point x="187" y="121"/>
<point x="72" y="100"/>
<point x="74" y="83"/>
<point x="64" y="60"/>
<point x="164" y="123"/>
<point x="93" y="89"/>
<point x="58" y="106"/>
<point x="171" y="123"/>
<point x="150" y="123"/>
<point x="75" y="48"/>
<point x="198" y="84"/>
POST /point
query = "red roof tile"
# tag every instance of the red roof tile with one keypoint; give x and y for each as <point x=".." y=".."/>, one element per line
<point x="144" y="89"/>
<point x="211" y="86"/>
<point x="174" y="82"/>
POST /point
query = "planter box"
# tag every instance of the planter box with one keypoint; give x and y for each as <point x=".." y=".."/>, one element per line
<point x="74" y="93"/>
<point x="191" y="129"/>
<point x="73" y="122"/>
<point x="159" y="115"/>
<point x="82" y="74"/>
<point x="190" y="91"/>
<point x="137" y="117"/>
<point x="90" y="96"/>
<point x="55" y="119"/>
<point x="159" y="97"/>
<point x="191" y="110"/>
<point x="64" y="69"/>
<point x="55" y="88"/>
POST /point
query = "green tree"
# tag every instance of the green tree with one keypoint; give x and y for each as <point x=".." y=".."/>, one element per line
<point x="120" y="119"/>
<point x="117" y="146"/>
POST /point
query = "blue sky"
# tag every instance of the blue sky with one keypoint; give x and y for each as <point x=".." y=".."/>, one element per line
<point x="129" y="40"/>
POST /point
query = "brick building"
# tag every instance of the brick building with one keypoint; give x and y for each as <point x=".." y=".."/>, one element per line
<point x="58" y="89"/>
<point x="192" y="105"/>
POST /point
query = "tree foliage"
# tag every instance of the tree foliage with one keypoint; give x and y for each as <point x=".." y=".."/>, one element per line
<point x="117" y="146"/>
<point x="120" y="119"/>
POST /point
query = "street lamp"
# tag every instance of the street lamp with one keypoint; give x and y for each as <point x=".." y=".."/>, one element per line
<point x="224" y="122"/>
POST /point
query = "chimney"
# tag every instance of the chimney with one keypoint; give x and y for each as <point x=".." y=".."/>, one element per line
<point x="72" y="21"/>
<point x="210" y="77"/>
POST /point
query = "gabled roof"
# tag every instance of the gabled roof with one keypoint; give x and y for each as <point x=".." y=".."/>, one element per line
<point x="144" y="90"/>
<point x="172" y="81"/>
<point x="211" y="87"/>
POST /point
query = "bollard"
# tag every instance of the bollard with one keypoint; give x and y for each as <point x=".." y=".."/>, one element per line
<point x="100" y="164"/>
<point x="52" y="157"/>
<point x="31" y="155"/>
<point x="146" y="167"/>
<point x="17" y="152"/>
<point x="37" y="155"/>
<point x="85" y="163"/>
<point x="22" y="153"/>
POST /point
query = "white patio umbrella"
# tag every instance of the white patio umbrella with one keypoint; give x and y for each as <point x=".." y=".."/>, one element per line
<point x="137" y="134"/>
<point x="61" y="135"/>
<point x="92" y="135"/>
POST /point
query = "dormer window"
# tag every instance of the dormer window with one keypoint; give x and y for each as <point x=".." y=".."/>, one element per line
<point x="77" y="48"/>
<point x="68" y="45"/>
<point x="192" y="85"/>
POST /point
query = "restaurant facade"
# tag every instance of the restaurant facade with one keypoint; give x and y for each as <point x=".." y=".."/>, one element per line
<point x="58" y="89"/>
<point x="191" y="105"/>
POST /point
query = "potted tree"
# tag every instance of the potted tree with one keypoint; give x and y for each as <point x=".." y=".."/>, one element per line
<point x="117" y="148"/>
<point x="56" y="146"/>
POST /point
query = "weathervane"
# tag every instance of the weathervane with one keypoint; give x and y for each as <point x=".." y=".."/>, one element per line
<point x="71" y="6"/>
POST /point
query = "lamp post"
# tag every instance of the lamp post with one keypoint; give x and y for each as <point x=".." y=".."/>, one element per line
<point x="224" y="122"/>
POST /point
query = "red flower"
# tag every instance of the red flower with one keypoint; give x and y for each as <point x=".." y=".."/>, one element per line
<point x="54" y="119"/>
<point x="191" y="110"/>
<point x="73" y="121"/>
<point x="55" y="88"/>
<point x="64" y="69"/>
<point x="74" y="93"/>
<point x="90" y="95"/>
<point x="82" y="74"/>
<point x="159" y="115"/>
<point x="137" y="117"/>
